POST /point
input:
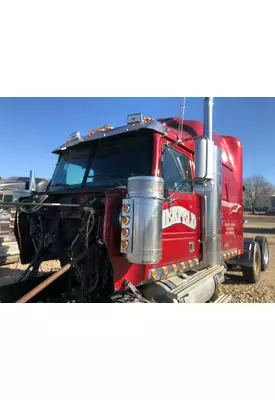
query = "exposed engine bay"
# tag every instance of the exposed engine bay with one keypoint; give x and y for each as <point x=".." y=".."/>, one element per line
<point x="71" y="235"/>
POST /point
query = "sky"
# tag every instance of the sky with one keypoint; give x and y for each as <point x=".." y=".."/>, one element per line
<point x="30" y="128"/>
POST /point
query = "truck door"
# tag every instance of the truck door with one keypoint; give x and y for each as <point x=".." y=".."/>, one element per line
<point x="181" y="209"/>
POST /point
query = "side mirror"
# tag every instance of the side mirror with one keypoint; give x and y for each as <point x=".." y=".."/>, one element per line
<point x="32" y="183"/>
<point x="243" y="188"/>
<point x="204" y="159"/>
<point x="41" y="186"/>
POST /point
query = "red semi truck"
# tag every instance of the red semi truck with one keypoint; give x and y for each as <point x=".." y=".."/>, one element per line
<point x="151" y="211"/>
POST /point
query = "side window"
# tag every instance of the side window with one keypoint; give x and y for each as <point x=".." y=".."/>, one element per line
<point x="176" y="171"/>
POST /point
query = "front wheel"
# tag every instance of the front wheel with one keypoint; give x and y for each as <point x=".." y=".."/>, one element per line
<point x="252" y="274"/>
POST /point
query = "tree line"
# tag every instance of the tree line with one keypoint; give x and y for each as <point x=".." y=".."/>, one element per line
<point x="256" y="188"/>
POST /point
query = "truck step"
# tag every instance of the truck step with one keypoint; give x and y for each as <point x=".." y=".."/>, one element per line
<point x="224" y="298"/>
<point x="194" y="280"/>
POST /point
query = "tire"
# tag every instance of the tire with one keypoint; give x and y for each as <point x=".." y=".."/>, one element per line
<point x="263" y="243"/>
<point x="252" y="274"/>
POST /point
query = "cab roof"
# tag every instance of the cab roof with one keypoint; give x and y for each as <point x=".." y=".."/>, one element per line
<point x="167" y="127"/>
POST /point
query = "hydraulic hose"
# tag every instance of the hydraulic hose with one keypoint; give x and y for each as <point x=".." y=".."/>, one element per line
<point x="36" y="257"/>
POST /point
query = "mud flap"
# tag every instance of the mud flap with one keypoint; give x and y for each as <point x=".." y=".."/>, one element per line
<point x="245" y="259"/>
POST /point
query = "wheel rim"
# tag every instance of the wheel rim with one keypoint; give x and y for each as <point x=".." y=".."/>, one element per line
<point x="265" y="254"/>
<point x="257" y="262"/>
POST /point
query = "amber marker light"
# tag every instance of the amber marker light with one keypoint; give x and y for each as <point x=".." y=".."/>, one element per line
<point x="126" y="208"/>
<point x="125" y="232"/>
<point x="124" y="244"/>
<point x="125" y="220"/>
<point x="148" y="119"/>
<point x="154" y="273"/>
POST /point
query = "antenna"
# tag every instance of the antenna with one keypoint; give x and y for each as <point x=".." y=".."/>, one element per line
<point x="182" y="109"/>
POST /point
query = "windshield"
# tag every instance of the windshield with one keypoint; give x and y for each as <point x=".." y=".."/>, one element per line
<point x="105" y="162"/>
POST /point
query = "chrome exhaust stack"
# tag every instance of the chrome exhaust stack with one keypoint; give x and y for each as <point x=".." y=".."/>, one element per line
<point x="208" y="184"/>
<point x="32" y="183"/>
<point x="208" y="117"/>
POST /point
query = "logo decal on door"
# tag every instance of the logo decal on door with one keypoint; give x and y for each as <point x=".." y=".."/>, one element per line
<point x="178" y="215"/>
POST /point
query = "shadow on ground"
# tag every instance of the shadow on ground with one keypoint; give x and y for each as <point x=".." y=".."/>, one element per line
<point x="9" y="275"/>
<point x="231" y="278"/>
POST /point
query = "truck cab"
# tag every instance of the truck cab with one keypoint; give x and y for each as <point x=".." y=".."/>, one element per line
<point x="157" y="203"/>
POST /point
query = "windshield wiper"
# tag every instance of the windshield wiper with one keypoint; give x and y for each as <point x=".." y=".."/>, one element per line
<point x="113" y="178"/>
<point x="60" y="184"/>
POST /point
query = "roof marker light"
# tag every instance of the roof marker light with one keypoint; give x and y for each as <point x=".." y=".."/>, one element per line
<point x="91" y="132"/>
<point x="148" y="119"/>
<point x="107" y="127"/>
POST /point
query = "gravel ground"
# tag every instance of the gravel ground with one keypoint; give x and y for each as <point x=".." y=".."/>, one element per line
<point x="264" y="290"/>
